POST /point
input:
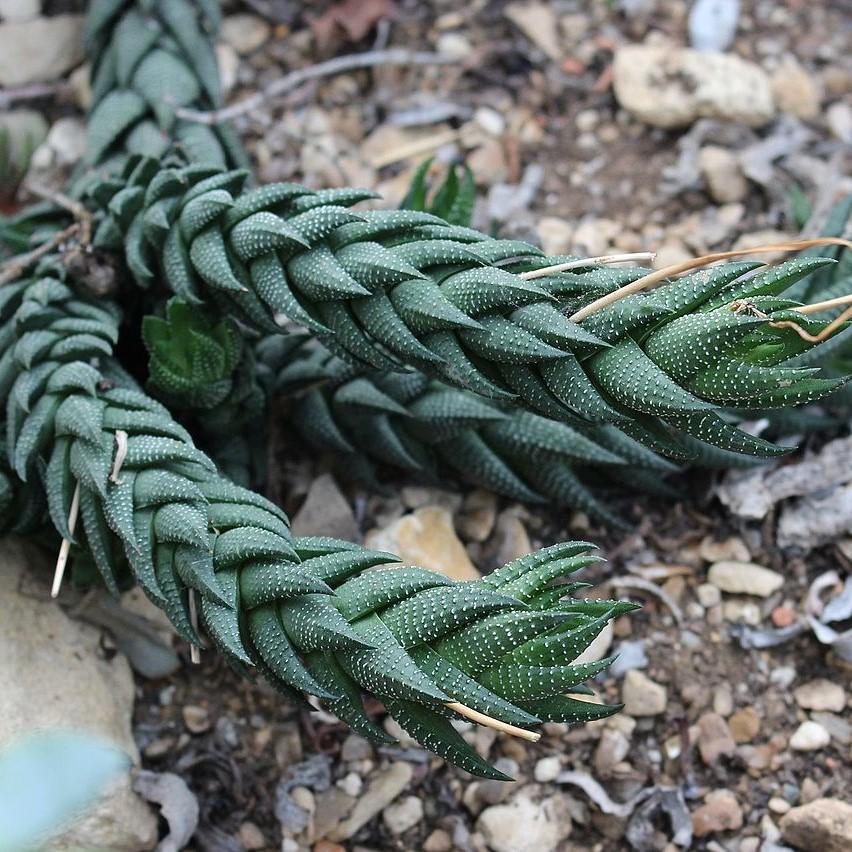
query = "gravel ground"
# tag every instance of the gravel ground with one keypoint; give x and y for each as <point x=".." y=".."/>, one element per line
<point x="718" y="742"/>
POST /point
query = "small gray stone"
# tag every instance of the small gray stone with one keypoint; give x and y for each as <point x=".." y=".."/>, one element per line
<point x="402" y="815"/>
<point x="325" y="512"/>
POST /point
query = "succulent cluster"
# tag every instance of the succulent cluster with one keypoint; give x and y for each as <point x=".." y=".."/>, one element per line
<point x="430" y="343"/>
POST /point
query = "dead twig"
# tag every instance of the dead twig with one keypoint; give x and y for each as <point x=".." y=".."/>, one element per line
<point x="603" y="259"/>
<point x="65" y="547"/>
<point x="488" y="722"/>
<point x="75" y="208"/>
<point x="696" y="263"/>
<point x="33" y="91"/>
<point x="15" y="267"/>
<point x="338" y="65"/>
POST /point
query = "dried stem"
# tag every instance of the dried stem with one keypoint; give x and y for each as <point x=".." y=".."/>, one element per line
<point x="815" y="338"/>
<point x="78" y="210"/>
<point x="15" y="267"/>
<point x="65" y="547"/>
<point x="338" y="65"/>
<point x="488" y="722"/>
<point x="602" y="259"/>
<point x="194" y="650"/>
<point x="827" y="305"/>
<point x="695" y="263"/>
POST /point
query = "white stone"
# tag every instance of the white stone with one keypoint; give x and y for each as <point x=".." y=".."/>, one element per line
<point x="642" y="696"/>
<point x="245" y="32"/>
<point x="67" y="140"/>
<point x="820" y="694"/>
<point x="19" y="10"/>
<point x="39" y="50"/>
<point x="809" y="736"/>
<point x="523" y="825"/>
<point x="229" y="64"/>
<point x="54" y="677"/>
<point x="708" y="595"/>
<point x="402" y="815"/>
<point x="839" y="118"/>
<point x="671" y="87"/>
<point x="744" y="578"/>
<point x="490" y="121"/>
<point x="454" y="45"/>
<point x="547" y="769"/>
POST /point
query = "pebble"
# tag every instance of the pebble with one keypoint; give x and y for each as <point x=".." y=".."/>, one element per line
<point x="708" y="595"/>
<point x="384" y="787"/>
<point x="355" y="747"/>
<point x="402" y="815"/>
<point x="490" y="121"/>
<point x="744" y="725"/>
<point x="426" y="538"/>
<point x="612" y="748"/>
<point x="837" y="726"/>
<point x="555" y="235"/>
<point x="454" y="45"/>
<point x="723" y="700"/>
<point x="537" y="21"/>
<point x="642" y="696"/>
<point x="796" y="92"/>
<point x="744" y="578"/>
<point x="720" y="812"/>
<point x="438" y="841"/>
<point x="672" y="87"/>
<point x="351" y="784"/>
<point x="326" y="512"/>
<point x="731" y="548"/>
<point x="778" y="805"/>
<point x="839" y="119"/>
<point x="721" y="171"/>
<point x="824" y="825"/>
<point x="478" y="513"/>
<point x="742" y="612"/>
<point x="196" y="719"/>
<point x="523" y="825"/>
<point x="820" y="694"/>
<point x="547" y="769"/>
<point x="809" y="736"/>
<point x="244" y="32"/>
<point x="251" y="836"/>
<point x="714" y="738"/>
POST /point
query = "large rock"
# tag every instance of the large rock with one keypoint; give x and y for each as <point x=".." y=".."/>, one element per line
<point x="54" y="677"/>
<point x="426" y="538"/>
<point x="39" y="50"/>
<point x="672" y="87"/>
<point x="523" y="825"/>
<point x="824" y="825"/>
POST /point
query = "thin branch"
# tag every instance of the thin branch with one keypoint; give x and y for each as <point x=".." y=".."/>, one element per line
<point x="815" y="338"/>
<point x="194" y="650"/>
<point x="75" y="208"/>
<point x="65" y="547"/>
<point x="602" y="259"/>
<point x="827" y="305"/>
<point x="338" y="65"/>
<point x="488" y="722"/>
<point x="15" y="267"/>
<point x="33" y="91"/>
<point x="695" y="263"/>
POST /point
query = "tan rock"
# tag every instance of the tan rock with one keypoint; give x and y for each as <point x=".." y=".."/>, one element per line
<point x="720" y="812"/>
<point x="744" y="725"/>
<point x="744" y="578"/>
<point x="538" y="22"/>
<point x="671" y="87"/>
<point x="722" y="173"/>
<point x="796" y="91"/>
<point x="643" y="696"/>
<point x="39" y="50"/>
<point x="555" y="234"/>
<point x="714" y="738"/>
<point x="824" y="825"/>
<point x="477" y="516"/>
<point x="53" y="677"/>
<point x="384" y="787"/>
<point x="732" y="548"/>
<point x="523" y="825"/>
<point x="427" y="538"/>
<point x="820" y="694"/>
